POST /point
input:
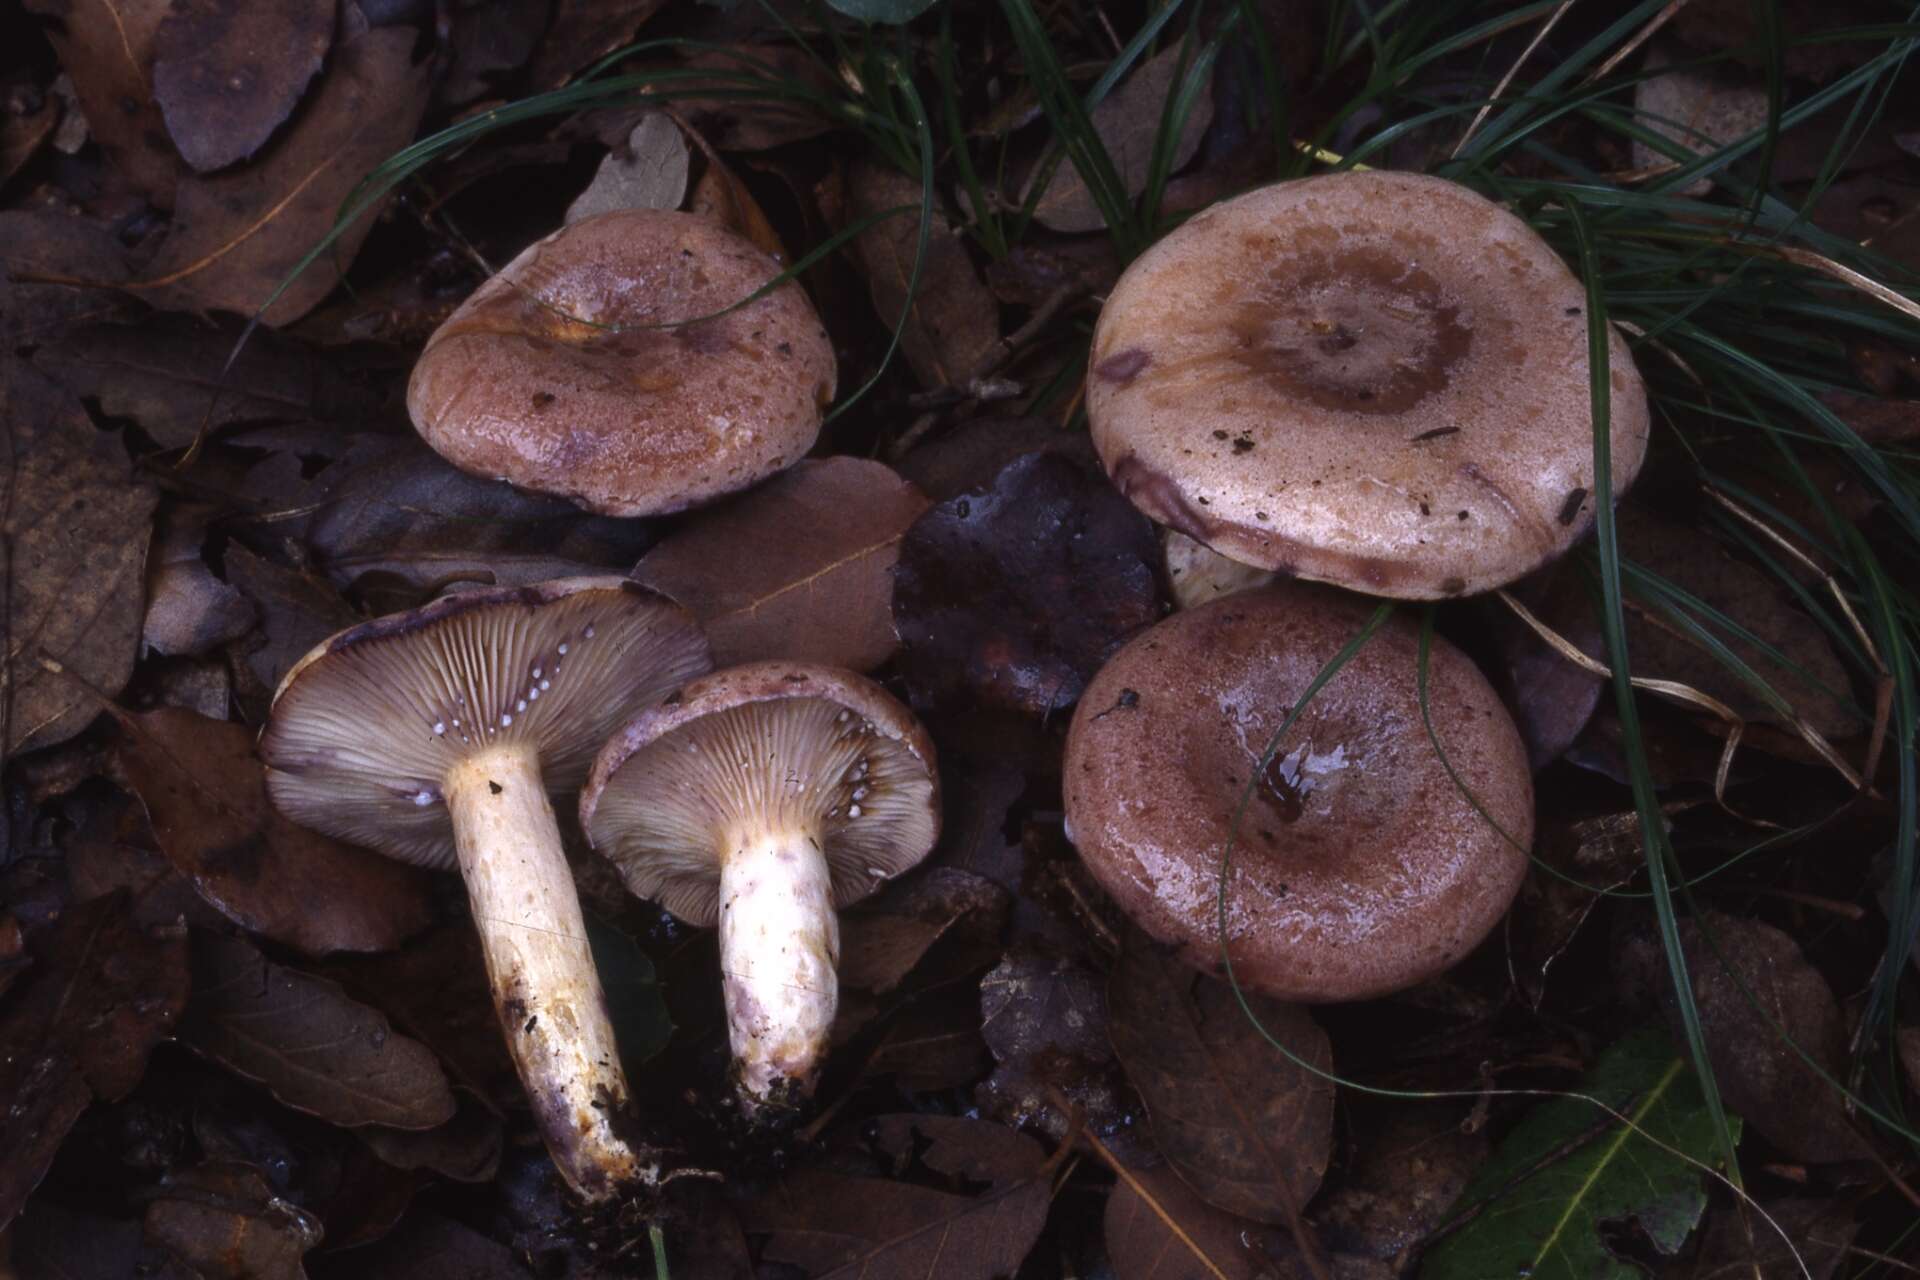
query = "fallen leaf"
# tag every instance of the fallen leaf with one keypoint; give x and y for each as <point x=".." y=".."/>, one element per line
<point x="189" y="611"/>
<point x="953" y="323"/>
<point x="1409" y="1163"/>
<point x="1551" y="699"/>
<point x="297" y="612"/>
<point x="1128" y="120"/>
<point x="1576" y="862"/>
<point x="59" y="271"/>
<point x="113" y="849"/>
<point x="968" y="457"/>
<point x="1739" y="1244"/>
<point x="1246" y="1127"/>
<point x="206" y="793"/>
<point x="52" y="1241"/>
<point x="1143" y="1244"/>
<point x="1732" y="27"/>
<point x="107" y="48"/>
<point x="1196" y="573"/>
<point x="648" y="171"/>
<point x="236" y="236"/>
<point x="227" y="73"/>
<point x="27" y="122"/>
<point x="841" y="1225"/>
<point x="1697" y="111"/>
<point x="733" y="123"/>
<point x="465" y="1148"/>
<point x="584" y="31"/>
<point x="170" y="375"/>
<point x="883" y="938"/>
<point x="934" y="1043"/>
<point x="79" y="1025"/>
<point x="222" y="1220"/>
<point x="486" y="41"/>
<point x="720" y="196"/>
<point x="800" y="568"/>
<point x="1760" y="1076"/>
<point x="1043" y="1014"/>
<point x="311" y="1046"/>
<point x="1568" y="1169"/>
<point x="426" y="1247"/>
<point x="74" y="552"/>
<point x="393" y="518"/>
<point x="1014" y="598"/>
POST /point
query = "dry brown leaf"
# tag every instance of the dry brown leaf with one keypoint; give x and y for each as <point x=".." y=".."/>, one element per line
<point x="189" y="611"/>
<point x="311" y="1046"/>
<point x="883" y="938"/>
<point x="735" y="124"/>
<point x="800" y="568"/>
<point x="1158" y="1229"/>
<point x="1246" y="1127"/>
<point x="721" y="196"/>
<point x="206" y="794"/>
<point x="107" y="48"/>
<point x="842" y="1226"/>
<point x="43" y="256"/>
<point x="954" y="322"/>
<point x="76" y="526"/>
<point x="648" y="170"/>
<point x="236" y="236"/>
<point x="584" y="31"/>
<point x="227" y="73"/>
<point x="1127" y="120"/>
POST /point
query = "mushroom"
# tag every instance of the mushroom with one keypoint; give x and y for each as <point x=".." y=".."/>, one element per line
<point x="618" y="363"/>
<point x="1372" y="379"/>
<point x="435" y="736"/>
<point x="1196" y="573"/>
<point x="763" y="798"/>
<point x="1358" y="867"/>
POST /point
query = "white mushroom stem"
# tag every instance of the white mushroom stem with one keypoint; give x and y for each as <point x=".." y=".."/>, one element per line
<point x="779" y="963"/>
<point x="545" y="987"/>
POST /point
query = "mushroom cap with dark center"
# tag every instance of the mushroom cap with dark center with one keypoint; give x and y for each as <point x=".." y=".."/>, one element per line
<point x="574" y="371"/>
<point x="1372" y="379"/>
<point x="761" y="751"/>
<point x="1359" y="867"/>
<point x="366" y="726"/>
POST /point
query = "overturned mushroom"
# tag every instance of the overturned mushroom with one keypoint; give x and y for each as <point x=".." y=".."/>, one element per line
<point x="618" y="363"/>
<point x="435" y="737"/>
<point x="763" y="798"/>
<point x="1359" y="866"/>
<point x="1372" y="379"/>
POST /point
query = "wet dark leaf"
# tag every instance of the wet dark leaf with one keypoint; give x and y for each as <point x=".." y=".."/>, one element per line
<point x="227" y="73"/>
<point x="57" y="1243"/>
<point x="166" y="375"/>
<point x="1739" y="1244"/>
<point x="297" y="612"/>
<point x="79" y="1025"/>
<point x="206" y="793"/>
<point x="1245" y="1126"/>
<point x="1013" y="598"/>
<point x="800" y="568"/>
<point x="1551" y="699"/>
<point x="1410" y="1161"/>
<point x="107" y="47"/>
<point x="735" y="124"/>
<point x="223" y="1220"/>
<point x="954" y="323"/>
<point x="237" y="235"/>
<point x="23" y="128"/>
<point x="1043" y="1013"/>
<point x="841" y="1225"/>
<point x="1582" y="858"/>
<point x="1761" y="1077"/>
<point x="391" y="511"/>
<point x="1142" y="1243"/>
<point x="314" y="1048"/>
<point x="73" y="555"/>
<point x="426" y="1247"/>
<point x="43" y="244"/>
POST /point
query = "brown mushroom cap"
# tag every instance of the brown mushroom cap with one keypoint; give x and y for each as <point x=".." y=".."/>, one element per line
<point x="759" y="749"/>
<point x="1372" y="379"/>
<point x="1360" y="867"/>
<point x="366" y="726"/>
<point x="557" y="376"/>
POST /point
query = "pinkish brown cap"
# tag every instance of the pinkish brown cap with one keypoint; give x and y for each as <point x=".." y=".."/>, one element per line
<point x="366" y="726"/>
<point x="1372" y="379"/>
<point x="574" y="371"/>
<point x="1360" y="868"/>
<point x="765" y="747"/>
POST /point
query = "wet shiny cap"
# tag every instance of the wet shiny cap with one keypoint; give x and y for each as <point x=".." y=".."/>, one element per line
<point x="585" y="368"/>
<point x="1372" y="379"/>
<point x="1359" y="867"/>
<point x="763" y="750"/>
<point x="366" y="726"/>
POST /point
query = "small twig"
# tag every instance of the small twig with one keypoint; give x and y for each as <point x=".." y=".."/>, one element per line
<point x="980" y="384"/>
